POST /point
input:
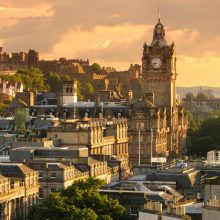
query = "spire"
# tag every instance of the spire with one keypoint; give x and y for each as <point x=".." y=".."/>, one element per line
<point x="159" y="33"/>
<point x="158" y="12"/>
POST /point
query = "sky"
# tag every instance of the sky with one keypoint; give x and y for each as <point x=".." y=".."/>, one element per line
<point x="112" y="32"/>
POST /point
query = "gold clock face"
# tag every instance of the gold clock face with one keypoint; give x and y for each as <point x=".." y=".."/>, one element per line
<point x="156" y="63"/>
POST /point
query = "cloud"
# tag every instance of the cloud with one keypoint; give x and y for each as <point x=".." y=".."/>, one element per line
<point x="112" y="32"/>
<point x="85" y="15"/>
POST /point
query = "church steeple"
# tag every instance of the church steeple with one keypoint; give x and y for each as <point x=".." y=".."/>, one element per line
<point x="159" y="34"/>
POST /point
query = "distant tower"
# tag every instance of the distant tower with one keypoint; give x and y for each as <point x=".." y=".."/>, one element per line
<point x="33" y="57"/>
<point x="69" y="92"/>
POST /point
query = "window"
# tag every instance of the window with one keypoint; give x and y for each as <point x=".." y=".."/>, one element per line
<point x="41" y="193"/>
<point x="31" y="181"/>
<point x="53" y="190"/>
<point x="133" y="211"/>
<point x="53" y="175"/>
<point x="41" y="175"/>
<point x="139" y="125"/>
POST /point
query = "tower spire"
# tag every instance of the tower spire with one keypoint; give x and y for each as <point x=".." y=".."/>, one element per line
<point x="159" y="33"/>
<point x="158" y="14"/>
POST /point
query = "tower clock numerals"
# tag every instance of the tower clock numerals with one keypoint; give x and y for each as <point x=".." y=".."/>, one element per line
<point x="156" y="63"/>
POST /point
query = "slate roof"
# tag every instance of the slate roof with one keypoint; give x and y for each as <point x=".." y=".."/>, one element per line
<point x="82" y="167"/>
<point x="14" y="170"/>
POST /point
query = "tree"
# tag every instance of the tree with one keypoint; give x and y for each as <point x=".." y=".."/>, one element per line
<point x="54" y="82"/>
<point x="79" y="90"/>
<point x="81" y="200"/>
<point x="20" y="119"/>
<point x="96" y="68"/>
<point x="203" y="136"/>
<point x="88" y="91"/>
<point x="32" y="79"/>
<point x="2" y="109"/>
<point x="65" y="77"/>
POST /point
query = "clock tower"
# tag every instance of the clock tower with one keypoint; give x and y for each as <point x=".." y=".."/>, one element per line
<point x="159" y="80"/>
<point x="159" y="69"/>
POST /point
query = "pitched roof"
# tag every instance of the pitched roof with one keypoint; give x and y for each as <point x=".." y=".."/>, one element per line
<point x="14" y="169"/>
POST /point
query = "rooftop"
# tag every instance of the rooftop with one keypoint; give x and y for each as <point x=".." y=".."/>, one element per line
<point x="14" y="169"/>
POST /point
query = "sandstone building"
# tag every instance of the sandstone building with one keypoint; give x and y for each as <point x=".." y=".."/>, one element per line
<point x="158" y="86"/>
<point x="202" y="102"/>
<point x="18" y="190"/>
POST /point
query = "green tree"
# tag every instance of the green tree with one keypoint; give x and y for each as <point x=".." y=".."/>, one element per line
<point x="65" y="77"/>
<point x="203" y="136"/>
<point x="79" y="90"/>
<point x="54" y="82"/>
<point x="2" y="109"/>
<point x="96" y="68"/>
<point x="81" y="200"/>
<point x="32" y="79"/>
<point x="11" y="78"/>
<point x="20" y="118"/>
<point x="88" y="91"/>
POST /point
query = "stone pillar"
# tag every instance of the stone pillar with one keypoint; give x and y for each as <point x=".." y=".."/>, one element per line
<point x="35" y="199"/>
<point x="18" y="208"/>
<point x="13" y="209"/>
<point x="121" y="148"/>
<point x="9" y="209"/>
<point x="117" y="149"/>
<point x="22" y="205"/>
<point x="5" y="211"/>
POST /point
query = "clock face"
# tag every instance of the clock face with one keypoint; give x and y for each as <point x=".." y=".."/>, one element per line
<point x="156" y="63"/>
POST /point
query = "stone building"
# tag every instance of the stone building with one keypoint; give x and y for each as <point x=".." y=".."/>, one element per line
<point x="147" y="126"/>
<point x="18" y="190"/>
<point x="211" y="209"/>
<point x="8" y="90"/>
<point x="106" y="139"/>
<point x="211" y="187"/>
<point x="69" y="93"/>
<point x="101" y="136"/>
<point x="204" y="101"/>
<point x="154" y="210"/>
<point x="55" y="176"/>
<point x="76" y="156"/>
<point x="159" y="78"/>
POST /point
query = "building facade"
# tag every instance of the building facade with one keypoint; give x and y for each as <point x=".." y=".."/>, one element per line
<point x="55" y="176"/>
<point x="159" y="79"/>
<point x="18" y="190"/>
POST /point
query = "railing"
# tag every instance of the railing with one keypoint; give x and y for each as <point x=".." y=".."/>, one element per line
<point x="34" y="139"/>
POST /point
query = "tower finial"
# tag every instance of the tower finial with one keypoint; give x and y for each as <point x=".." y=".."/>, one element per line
<point x="158" y="14"/>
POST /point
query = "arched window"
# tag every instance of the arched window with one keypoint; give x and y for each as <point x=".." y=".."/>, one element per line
<point x="67" y="89"/>
<point x="71" y="89"/>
